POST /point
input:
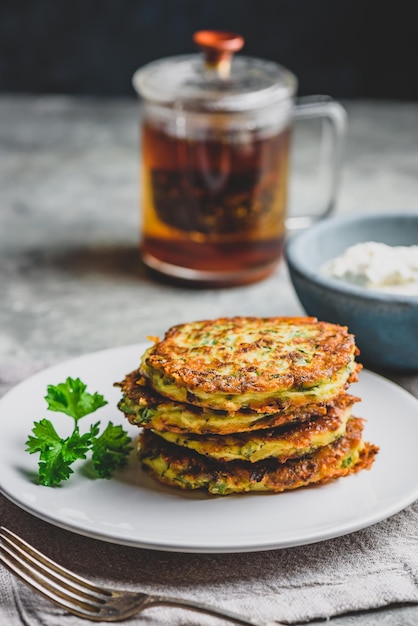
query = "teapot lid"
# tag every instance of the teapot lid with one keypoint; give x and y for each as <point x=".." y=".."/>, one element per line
<point x="215" y="80"/>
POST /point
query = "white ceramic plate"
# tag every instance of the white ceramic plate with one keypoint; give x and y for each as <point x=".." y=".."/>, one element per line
<point x="132" y="509"/>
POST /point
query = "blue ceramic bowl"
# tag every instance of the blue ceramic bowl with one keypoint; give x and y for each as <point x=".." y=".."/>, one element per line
<point x="385" y="325"/>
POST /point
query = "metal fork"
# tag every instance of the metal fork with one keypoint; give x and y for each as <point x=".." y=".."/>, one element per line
<point x="83" y="598"/>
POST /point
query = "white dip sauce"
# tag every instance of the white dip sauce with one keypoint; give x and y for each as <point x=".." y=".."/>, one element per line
<point x="377" y="266"/>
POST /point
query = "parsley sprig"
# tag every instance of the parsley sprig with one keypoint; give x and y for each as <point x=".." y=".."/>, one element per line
<point x="109" y="450"/>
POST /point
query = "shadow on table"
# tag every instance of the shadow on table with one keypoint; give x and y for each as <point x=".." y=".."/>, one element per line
<point x="108" y="260"/>
<point x="116" y="260"/>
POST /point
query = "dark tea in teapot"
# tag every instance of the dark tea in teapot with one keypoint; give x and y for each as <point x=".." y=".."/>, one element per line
<point x="214" y="204"/>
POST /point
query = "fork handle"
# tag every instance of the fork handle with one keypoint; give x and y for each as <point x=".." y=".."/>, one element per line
<point x="203" y="608"/>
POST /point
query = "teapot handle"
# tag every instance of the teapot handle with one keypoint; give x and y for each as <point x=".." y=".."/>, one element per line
<point x="323" y="107"/>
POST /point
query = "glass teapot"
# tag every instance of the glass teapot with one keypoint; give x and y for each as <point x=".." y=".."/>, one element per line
<point x="216" y="136"/>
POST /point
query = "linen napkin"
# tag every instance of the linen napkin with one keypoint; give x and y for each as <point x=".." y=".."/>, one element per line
<point x="372" y="568"/>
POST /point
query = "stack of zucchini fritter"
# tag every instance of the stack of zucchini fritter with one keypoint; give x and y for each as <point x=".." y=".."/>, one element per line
<point x="248" y="404"/>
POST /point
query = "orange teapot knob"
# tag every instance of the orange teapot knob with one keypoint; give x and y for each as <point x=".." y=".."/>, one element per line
<point x="218" y="47"/>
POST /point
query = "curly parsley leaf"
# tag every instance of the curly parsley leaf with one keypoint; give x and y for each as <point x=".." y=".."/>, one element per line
<point x="110" y="451"/>
<point x="72" y="399"/>
<point x="56" y="455"/>
<point x="45" y="437"/>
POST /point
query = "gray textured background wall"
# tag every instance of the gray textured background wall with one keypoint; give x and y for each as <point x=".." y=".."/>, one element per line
<point x="346" y="48"/>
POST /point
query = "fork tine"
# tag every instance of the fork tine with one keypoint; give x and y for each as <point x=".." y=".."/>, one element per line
<point x="42" y="579"/>
<point x="57" y="570"/>
<point x="41" y="588"/>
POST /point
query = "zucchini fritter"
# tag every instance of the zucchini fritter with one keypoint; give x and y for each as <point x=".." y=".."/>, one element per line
<point x="145" y="407"/>
<point x="176" y="466"/>
<point x="281" y="443"/>
<point x="248" y="362"/>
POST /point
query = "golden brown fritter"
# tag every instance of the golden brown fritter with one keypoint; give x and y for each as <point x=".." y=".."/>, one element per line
<point x="248" y="362"/>
<point x="282" y="443"/>
<point x="176" y="466"/>
<point x="145" y="407"/>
